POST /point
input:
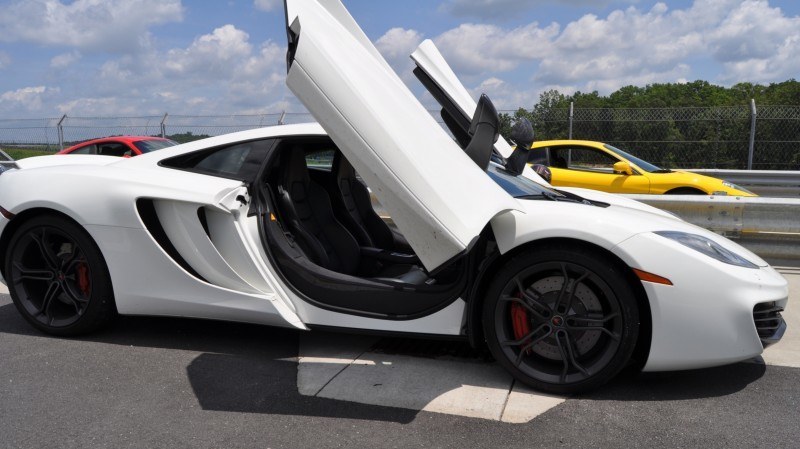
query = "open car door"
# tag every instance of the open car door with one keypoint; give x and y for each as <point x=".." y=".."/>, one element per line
<point x="435" y="74"/>
<point x="438" y="197"/>
<point x="457" y="104"/>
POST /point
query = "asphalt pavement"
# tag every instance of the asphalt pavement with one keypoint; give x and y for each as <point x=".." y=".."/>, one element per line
<point x="158" y="382"/>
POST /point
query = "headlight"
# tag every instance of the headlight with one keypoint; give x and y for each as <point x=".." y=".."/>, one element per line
<point x="708" y="247"/>
<point x="731" y="185"/>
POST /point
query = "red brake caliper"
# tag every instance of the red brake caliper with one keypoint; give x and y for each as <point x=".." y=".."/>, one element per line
<point x="520" y="322"/>
<point x="83" y="278"/>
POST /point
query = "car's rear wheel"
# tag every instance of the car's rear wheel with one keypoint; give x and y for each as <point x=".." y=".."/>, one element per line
<point x="561" y="320"/>
<point x="685" y="191"/>
<point x="57" y="277"/>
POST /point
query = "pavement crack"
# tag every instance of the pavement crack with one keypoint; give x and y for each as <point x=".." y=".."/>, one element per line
<point x="508" y="396"/>
<point x="341" y="371"/>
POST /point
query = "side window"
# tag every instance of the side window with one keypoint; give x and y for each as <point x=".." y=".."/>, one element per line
<point x="241" y="161"/>
<point x="320" y="160"/>
<point x="538" y="156"/>
<point x="228" y="161"/>
<point x="585" y="159"/>
<point x="88" y="149"/>
<point x="114" y="149"/>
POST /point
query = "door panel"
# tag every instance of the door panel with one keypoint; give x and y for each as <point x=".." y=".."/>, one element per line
<point x="591" y="168"/>
<point x="439" y="199"/>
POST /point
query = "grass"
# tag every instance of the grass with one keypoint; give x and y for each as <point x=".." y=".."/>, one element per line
<point x="23" y="152"/>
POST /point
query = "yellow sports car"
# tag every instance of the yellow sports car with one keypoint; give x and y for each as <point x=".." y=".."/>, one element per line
<point x="600" y="166"/>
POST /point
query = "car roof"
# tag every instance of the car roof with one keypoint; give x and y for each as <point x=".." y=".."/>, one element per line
<point x="276" y="131"/>
<point x="124" y="139"/>
<point x="548" y="143"/>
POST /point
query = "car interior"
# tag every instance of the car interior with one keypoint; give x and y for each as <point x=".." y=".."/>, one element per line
<point x="333" y="247"/>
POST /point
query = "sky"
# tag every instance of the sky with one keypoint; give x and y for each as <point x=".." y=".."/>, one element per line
<point x="97" y="58"/>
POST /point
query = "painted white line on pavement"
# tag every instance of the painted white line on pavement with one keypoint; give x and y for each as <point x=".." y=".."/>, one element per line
<point x="477" y="389"/>
<point x="524" y="404"/>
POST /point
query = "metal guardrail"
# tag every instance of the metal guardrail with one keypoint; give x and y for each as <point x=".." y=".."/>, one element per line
<point x="772" y="183"/>
<point x="770" y="227"/>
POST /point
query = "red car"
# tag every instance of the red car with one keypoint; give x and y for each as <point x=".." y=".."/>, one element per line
<point x="120" y="146"/>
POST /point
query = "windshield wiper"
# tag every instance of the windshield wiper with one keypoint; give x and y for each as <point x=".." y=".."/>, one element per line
<point x="662" y="170"/>
<point x="550" y="196"/>
<point x="563" y="196"/>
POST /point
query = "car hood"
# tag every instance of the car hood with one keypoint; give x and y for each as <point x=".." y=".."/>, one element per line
<point x="605" y="226"/>
<point x="617" y="200"/>
<point x="438" y="197"/>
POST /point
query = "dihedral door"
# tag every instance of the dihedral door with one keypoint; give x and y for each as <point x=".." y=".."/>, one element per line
<point x="439" y="199"/>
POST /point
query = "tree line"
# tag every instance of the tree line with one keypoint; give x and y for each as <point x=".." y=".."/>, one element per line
<point x="655" y="122"/>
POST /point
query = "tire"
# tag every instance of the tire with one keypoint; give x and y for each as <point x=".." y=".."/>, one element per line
<point x="58" y="278"/>
<point x="685" y="191"/>
<point x="554" y="337"/>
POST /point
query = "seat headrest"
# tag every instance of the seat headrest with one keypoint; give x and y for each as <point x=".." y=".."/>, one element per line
<point x="485" y="130"/>
<point x="342" y="168"/>
<point x="295" y="168"/>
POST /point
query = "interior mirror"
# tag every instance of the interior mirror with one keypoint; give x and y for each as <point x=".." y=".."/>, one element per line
<point x="623" y="168"/>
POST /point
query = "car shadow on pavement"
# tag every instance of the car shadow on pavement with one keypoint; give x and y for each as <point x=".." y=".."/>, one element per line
<point x="241" y="367"/>
<point x="245" y="384"/>
<point x="633" y="385"/>
<point x="253" y="369"/>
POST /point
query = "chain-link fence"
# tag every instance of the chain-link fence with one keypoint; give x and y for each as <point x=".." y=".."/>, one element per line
<point x="713" y="137"/>
<point x="709" y="137"/>
<point x="38" y="132"/>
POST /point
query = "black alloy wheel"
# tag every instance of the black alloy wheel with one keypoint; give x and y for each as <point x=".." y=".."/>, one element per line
<point x="563" y="321"/>
<point x="57" y="277"/>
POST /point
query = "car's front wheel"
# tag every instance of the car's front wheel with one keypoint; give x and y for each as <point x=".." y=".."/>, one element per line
<point x="57" y="277"/>
<point x="562" y="320"/>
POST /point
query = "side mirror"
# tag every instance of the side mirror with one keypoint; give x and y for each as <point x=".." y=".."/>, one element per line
<point x="623" y="168"/>
<point x="543" y="171"/>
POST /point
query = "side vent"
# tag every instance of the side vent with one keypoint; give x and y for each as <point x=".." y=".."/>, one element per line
<point x="201" y="215"/>
<point x="147" y="212"/>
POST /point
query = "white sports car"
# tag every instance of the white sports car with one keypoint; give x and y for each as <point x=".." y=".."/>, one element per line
<point x="273" y="226"/>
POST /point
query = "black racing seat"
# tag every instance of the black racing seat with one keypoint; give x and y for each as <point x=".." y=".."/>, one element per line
<point x="306" y="209"/>
<point x="358" y="215"/>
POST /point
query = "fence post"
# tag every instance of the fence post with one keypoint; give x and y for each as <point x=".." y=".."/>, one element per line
<point x="61" y="132"/>
<point x="752" y="134"/>
<point x="571" y="115"/>
<point x="164" y="126"/>
<point x="283" y="116"/>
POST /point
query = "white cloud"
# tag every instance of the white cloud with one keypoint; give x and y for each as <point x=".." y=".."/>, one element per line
<point x="749" y="39"/>
<point x="476" y="48"/>
<point x="756" y="42"/>
<point x="396" y="46"/>
<point x="92" y="25"/>
<point x="504" y="95"/>
<point x="227" y="71"/>
<point x="65" y="59"/>
<point x="219" y="72"/>
<point x="267" y="5"/>
<point x="508" y="8"/>
<point x="214" y="53"/>
<point x="30" y="99"/>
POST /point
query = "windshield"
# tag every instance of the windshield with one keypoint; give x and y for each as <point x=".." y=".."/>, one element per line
<point x="146" y="146"/>
<point x="644" y="165"/>
<point x="516" y="186"/>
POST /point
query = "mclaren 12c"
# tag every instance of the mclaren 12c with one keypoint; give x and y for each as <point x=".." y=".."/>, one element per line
<point x="276" y="226"/>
